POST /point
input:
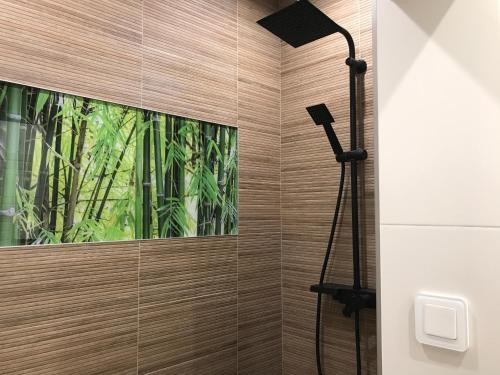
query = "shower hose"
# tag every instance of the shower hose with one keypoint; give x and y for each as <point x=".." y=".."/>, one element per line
<point x="325" y="266"/>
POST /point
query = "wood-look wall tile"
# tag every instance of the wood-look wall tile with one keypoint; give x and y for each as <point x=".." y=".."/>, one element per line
<point x="90" y="48"/>
<point x="175" y="334"/>
<point x="259" y="240"/>
<point x="185" y="268"/>
<point x="190" y="59"/>
<point x="187" y="315"/>
<point x="69" y="309"/>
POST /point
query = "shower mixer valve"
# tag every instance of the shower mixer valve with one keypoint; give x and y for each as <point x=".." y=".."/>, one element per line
<point x="352" y="300"/>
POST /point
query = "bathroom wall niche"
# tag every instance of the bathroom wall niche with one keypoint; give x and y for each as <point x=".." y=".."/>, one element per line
<point x="75" y="169"/>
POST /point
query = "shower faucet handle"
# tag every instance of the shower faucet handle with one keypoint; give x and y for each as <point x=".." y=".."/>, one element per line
<point x="364" y="298"/>
<point x="357" y="302"/>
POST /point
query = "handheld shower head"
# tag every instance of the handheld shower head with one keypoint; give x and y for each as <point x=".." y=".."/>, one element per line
<point x="322" y="116"/>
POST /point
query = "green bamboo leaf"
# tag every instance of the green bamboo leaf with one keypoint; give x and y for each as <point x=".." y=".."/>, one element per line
<point x="213" y="146"/>
<point x="42" y="98"/>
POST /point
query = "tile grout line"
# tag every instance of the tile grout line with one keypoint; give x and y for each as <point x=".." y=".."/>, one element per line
<point x="472" y="226"/>
<point x="224" y="294"/>
<point x="239" y="192"/>
<point x="140" y="243"/>
<point x="142" y="54"/>
<point x="138" y="302"/>
<point x="281" y="215"/>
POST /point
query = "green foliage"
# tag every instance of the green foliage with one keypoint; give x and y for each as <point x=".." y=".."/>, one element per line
<point x="43" y="97"/>
<point x="96" y="171"/>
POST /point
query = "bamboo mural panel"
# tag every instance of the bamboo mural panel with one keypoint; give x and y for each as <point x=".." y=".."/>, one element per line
<point x="75" y="169"/>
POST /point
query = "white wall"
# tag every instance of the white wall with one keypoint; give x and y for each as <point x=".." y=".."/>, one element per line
<point x="438" y="77"/>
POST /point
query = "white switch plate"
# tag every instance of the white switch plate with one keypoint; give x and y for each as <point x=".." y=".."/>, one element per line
<point x="442" y="322"/>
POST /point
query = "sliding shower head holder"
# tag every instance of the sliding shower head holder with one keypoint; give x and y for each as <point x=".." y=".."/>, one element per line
<point x="358" y="65"/>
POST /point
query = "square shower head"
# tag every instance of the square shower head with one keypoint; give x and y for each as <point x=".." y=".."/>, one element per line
<point x="299" y="24"/>
<point x="320" y="114"/>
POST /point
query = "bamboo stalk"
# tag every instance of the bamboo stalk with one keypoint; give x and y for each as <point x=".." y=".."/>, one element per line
<point x="31" y="138"/>
<point x="200" y="220"/>
<point x="229" y="188"/>
<point x="3" y="130"/>
<point x="113" y="175"/>
<point x="23" y="133"/>
<point x="235" y="176"/>
<point x="68" y="187"/>
<point x="8" y="199"/>
<point x="160" y="195"/>
<point x="90" y="208"/>
<point x="211" y="159"/>
<point x="181" y="188"/>
<point x="55" y="181"/>
<point x="146" y="181"/>
<point x="220" y="180"/>
<point x="138" y="175"/>
<point x="168" y="178"/>
<point x="3" y="133"/>
<point x="41" y="209"/>
<point x="69" y="220"/>
<point x="178" y="170"/>
<point x="22" y="137"/>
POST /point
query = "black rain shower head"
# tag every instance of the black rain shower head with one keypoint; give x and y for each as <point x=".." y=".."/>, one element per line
<point x="300" y="23"/>
<point x="322" y="116"/>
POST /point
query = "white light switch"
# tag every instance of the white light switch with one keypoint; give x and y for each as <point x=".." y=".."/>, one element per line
<point x="442" y="322"/>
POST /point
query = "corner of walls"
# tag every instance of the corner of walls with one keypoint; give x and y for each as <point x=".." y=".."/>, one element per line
<point x="377" y="187"/>
<point x="259" y="239"/>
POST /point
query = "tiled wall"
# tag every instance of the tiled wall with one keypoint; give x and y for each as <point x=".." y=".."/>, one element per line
<point x="201" y="305"/>
<point x="124" y="307"/>
<point x="259" y="240"/>
<point x="69" y="309"/>
<point x="182" y="306"/>
<point x="439" y="180"/>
